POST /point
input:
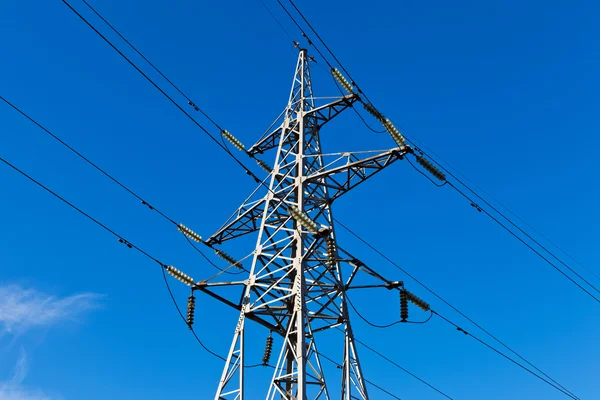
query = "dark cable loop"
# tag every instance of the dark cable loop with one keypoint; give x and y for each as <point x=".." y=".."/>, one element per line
<point x="129" y="244"/>
<point x="185" y="320"/>
<point x="425" y="175"/>
<point x="392" y="262"/>
<point x="369" y="322"/>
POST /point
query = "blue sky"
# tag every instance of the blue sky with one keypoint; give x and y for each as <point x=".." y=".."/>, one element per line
<point x="505" y="91"/>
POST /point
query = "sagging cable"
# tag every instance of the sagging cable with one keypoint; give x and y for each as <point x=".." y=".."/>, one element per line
<point x="189" y="233"/>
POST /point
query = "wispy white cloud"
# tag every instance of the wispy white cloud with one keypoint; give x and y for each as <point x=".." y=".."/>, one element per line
<point x="14" y="389"/>
<point x="23" y="309"/>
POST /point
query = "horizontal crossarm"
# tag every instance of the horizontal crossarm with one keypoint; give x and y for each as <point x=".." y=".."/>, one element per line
<point x="339" y="179"/>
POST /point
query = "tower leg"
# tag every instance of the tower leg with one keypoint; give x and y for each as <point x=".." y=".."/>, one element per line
<point x="229" y="386"/>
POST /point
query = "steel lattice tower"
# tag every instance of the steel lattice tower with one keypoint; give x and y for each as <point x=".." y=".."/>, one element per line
<point x="297" y="282"/>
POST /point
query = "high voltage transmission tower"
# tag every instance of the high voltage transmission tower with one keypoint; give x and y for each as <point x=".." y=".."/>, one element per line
<point x="299" y="276"/>
<point x="299" y="279"/>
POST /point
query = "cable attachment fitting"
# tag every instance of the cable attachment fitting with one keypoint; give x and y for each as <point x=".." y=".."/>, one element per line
<point x="342" y="80"/>
<point x="432" y="169"/>
<point x="126" y="243"/>
<point x="403" y="305"/>
<point x="417" y="301"/>
<point x="303" y="219"/>
<point x="264" y="165"/>
<point x="194" y="106"/>
<point x="189" y="233"/>
<point x="233" y="140"/>
<point x="177" y="274"/>
<point x="394" y="285"/>
<point x="144" y="202"/>
<point x="475" y="206"/>
<point x="373" y="111"/>
<point x="268" y="350"/>
<point x="191" y="308"/>
<point x="394" y="132"/>
<point x="228" y="258"/>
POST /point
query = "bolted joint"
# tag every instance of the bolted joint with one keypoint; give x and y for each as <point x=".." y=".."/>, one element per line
<point x="394" y="285"/>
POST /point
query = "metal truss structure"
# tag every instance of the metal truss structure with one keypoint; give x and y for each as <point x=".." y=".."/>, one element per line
<point x="299" y="276"/>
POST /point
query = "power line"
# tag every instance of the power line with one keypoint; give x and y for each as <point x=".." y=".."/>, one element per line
<point x="304" y="35"/>
<point x="522" y="231"/>
<point x="182" y="110"/>
<point x="535" y="251"/>
<point x="369" y="322"/>
<point x="103" y="171"/>
<point x="277" y="21"/>
<point x="87" y="160"/>
<point x="189" y="100"/>
<point x="164" y="93"/>
<point x="326" y="47"/>
<point x="414" y="140"/>
<point x="389" y="360"/>
<point x="366" y="380"/>
<point x="109" y="230"/>
<point x="206" y="132"/>
<point x="185" y="321"/>
<point x="458" y="180"/>
<point x="392" y="262"/>
<point x="79" y="210"/>
<point x="559" y="388"/>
